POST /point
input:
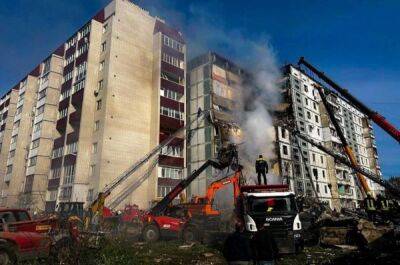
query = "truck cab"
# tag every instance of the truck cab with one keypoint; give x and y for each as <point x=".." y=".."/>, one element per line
<point x="272" y="208"/>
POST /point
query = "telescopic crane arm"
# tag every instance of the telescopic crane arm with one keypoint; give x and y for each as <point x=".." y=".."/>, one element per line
<point x="373" y="115"/>
<point x="98" y="204"/>
<point x="342" y="159"/>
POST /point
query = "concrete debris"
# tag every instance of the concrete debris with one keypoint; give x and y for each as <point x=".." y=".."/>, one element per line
<point x="187" y="246"/>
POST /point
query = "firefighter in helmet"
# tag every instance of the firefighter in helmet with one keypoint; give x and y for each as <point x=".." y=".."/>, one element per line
<point x="261" y="169"/>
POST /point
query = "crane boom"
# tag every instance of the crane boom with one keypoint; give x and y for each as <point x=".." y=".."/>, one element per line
<point x="373" y="115"/>
<point x="342" y="159"/>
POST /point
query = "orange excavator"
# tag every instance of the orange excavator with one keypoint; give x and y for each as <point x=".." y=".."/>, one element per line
<point x="203" y="205"/>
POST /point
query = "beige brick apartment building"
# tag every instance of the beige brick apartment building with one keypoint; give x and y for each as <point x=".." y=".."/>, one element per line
<point x="98" y="103"/>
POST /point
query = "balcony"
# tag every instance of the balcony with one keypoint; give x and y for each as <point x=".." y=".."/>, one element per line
<point x="53" y="183"/>
<point x="73" y="137"/>
<point x="70" y="159"/>
<point x="20" y="103"/>
<point x="175" y="141"/>
<point x="63" y="103"/>
<point x="173" y="70"/>
<point x="56" y="162"/>
<point x="171" y="161"/>
<point x="81" y="58"/>
<point x="77" y="98"/>
<point x="75" y="118"/>
<point x="61" y="125"/>
<point x="170" y="124"/>
<point x="168" y="182"/>
<point x="41" y="102"/>
<point x="172" y="104"/>
<point x="170" y="85"/>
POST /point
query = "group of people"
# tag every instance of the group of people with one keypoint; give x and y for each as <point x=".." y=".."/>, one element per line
<point x="243" y="248"/>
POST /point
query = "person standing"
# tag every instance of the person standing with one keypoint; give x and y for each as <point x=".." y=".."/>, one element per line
<point x="265" y="248"/>
<point x="261" y="169"/>
<point x="237" y="248"/>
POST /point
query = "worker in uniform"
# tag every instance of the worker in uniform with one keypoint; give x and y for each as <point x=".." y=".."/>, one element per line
<point x="370" y="207"/>
<point x="261" y="169"/>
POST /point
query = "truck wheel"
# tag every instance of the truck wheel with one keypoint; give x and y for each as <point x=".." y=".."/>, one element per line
<point x="151" y="233"/>
<point x="189" y="235"/>
<point x="7" y="257"/>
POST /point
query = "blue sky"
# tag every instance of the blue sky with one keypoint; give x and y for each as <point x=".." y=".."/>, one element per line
<point x="355" y="42"/>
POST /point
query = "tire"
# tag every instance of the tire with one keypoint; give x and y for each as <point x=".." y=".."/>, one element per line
<point x="151" y="233"/>
<point x="189" y="235"/>
<point x="7" y="257"/>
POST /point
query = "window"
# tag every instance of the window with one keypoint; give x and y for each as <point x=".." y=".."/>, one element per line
<point x="172" y="173"/>
<point x="171" y="113"/>
<point x="98" y="104"/>
<point x="19" y="110"/>
<point x="57" y="152"/>
<point x="81" y="71"/>
<point x="326" y="188"/>
<point x="323" y="173"/>
<point x="32" y="161"/>
<point x="16" y="124"/>
<point x="82" y="49"/>
<point x="171" y="150"/>
<point x="308" y="115"/>
<point x="105" y="28"/>
<point x="62" y="113"/>
<point x="172" y="60"/>
<point x="56" y="173"/>
<point x="172" y="43"/>
<point x="65" y="94"/>
<point x="305" y="88"/>
<point x="69" y="174"/>
<point x="314" y="105"/>
<point x="316" y="118"/>
<point x="322" y="159"/>
<point x="318" y="132"/>
<point x="72" y="148"/>
<point x="101" y="66"/>
<point x="40" y="110"/>
<point x="283" y="132"/>
<point x="94" y="148"/>
<point x="53" y="195"/>
<point x="78" y="86"/>
<point x="14" y="139"/>
<point x="11" y="154"/>
<point x="35" y="144"/>
<point x="42" y="94"/>
<point x="103" y="46"/>
<point x="96" y="125"/>
<point x="68" y="76"/>
<point x="66" y="193"/>
<point x="170" y="94"/>
<point x="313" y="157"/>
<point x="315" y="173"/>
<point x="310" y="128"/>
<point x="162" y="191"/>
<point x="306" y="100"/>
<point x="317" y="186"/>
<point x="285" y="150"/>
<point x="100" y="85"/>
<point x="9" y="169"/>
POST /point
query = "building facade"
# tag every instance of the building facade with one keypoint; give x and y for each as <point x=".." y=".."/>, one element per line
<point x="306" y="166"/>
<point x="100" y="102"/>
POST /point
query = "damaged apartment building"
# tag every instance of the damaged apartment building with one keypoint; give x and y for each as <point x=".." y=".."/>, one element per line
<point x="97" y="104"/>
<point x="213" y="83"/>
<point x="334" y="183"/>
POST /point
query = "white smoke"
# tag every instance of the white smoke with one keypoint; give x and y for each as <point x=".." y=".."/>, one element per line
<point x="258" y="98"/>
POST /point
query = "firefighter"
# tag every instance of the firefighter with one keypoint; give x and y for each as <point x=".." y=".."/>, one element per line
<point x="261" y="169"/>
<point x="370" y="207"/>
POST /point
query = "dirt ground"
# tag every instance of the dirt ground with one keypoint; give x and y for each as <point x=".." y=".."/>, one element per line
<point x="175" y="253"/>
